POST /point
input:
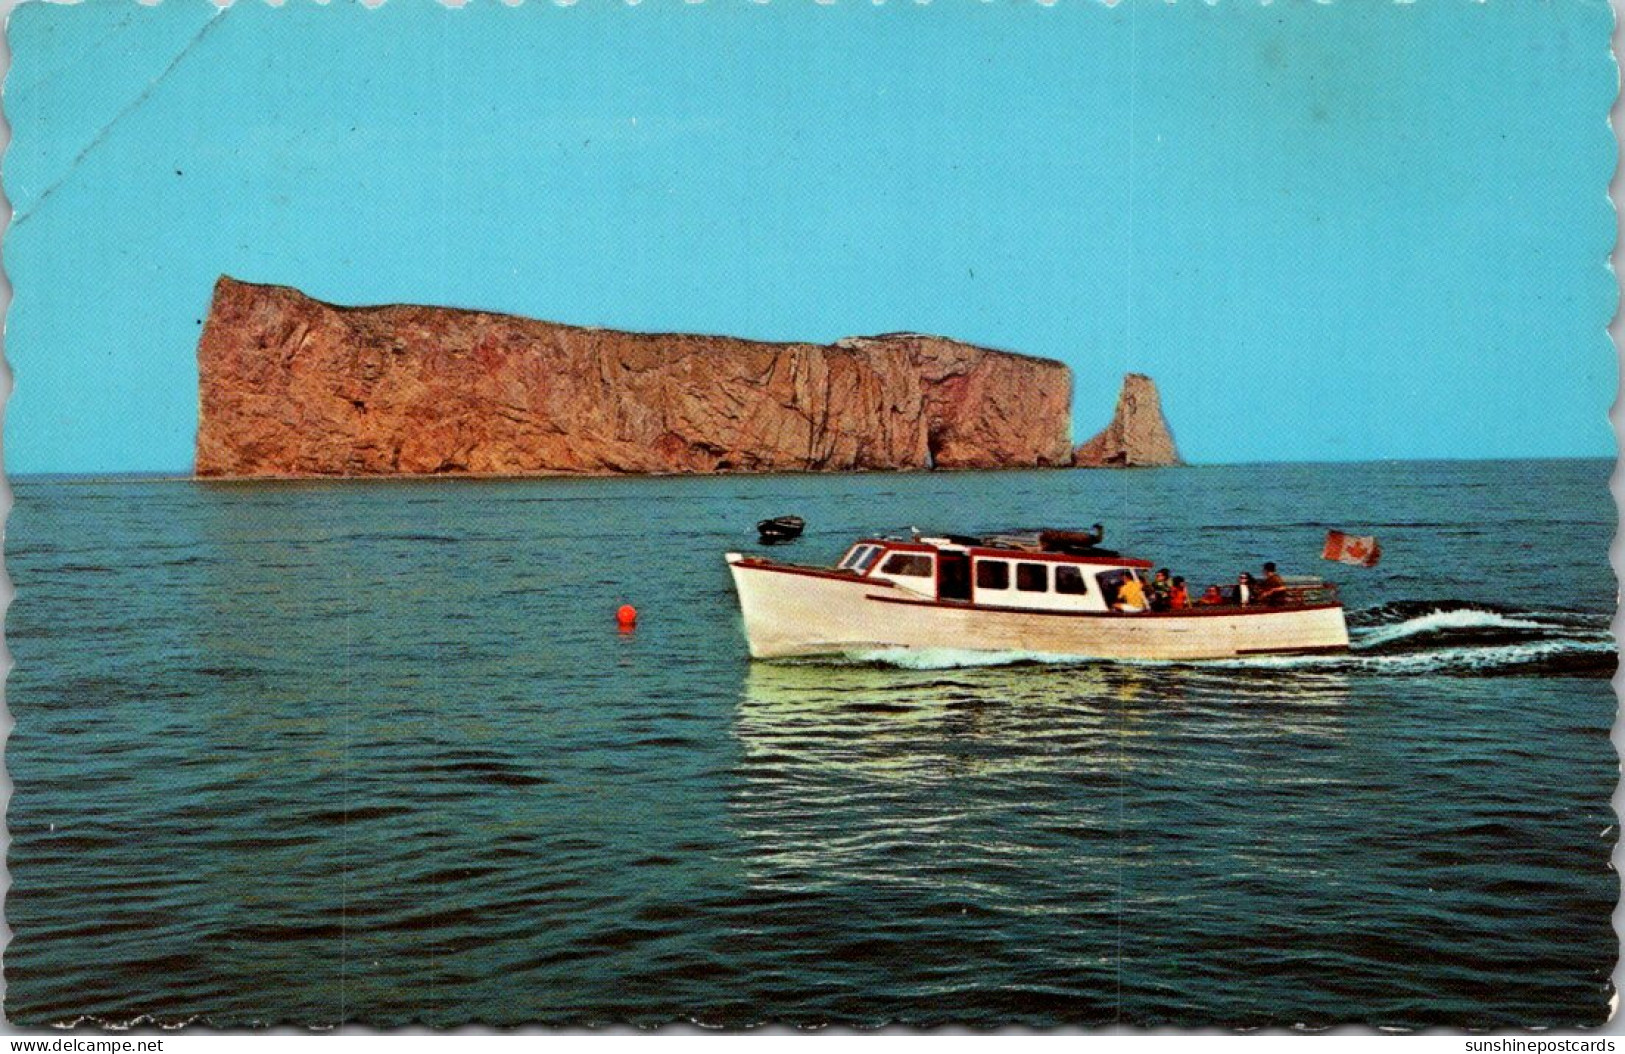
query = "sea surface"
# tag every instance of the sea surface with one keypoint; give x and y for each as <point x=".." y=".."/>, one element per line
<point x="332" y="752"/>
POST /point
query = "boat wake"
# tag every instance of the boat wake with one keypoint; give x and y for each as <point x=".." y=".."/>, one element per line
<point x="1472" y="624"/>
<point x="1424" y="637"/>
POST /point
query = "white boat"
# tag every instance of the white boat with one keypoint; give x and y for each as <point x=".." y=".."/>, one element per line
<point x="1008" y="594"/>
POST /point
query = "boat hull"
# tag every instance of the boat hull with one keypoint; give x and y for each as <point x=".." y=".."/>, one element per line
<point x="790" y="612"/>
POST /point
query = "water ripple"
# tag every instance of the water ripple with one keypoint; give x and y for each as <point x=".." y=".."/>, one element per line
<point x="323" y="753"/>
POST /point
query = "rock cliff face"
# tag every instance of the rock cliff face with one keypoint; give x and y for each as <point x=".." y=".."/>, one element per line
<point x="290" y="386"/>
<point x="1138" y="435"/>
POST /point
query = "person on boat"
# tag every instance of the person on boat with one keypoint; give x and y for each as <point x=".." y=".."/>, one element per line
<point x="1211" y="597"/>
<point x="1179" y="597"/>
<point x="1244" y="589"/>
<point x="1131" y="595"/>
<point x="1272" y="590"/>
<point x="1161" y="588"/>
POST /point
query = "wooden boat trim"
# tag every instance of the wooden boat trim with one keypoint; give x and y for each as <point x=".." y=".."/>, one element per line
<point x="1310" y="649"/>
<point x="758" y="564"/>
<point x="1205" y="611"/>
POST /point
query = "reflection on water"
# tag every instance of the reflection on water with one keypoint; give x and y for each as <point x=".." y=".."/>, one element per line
<point x="1160" y="844"/>
<point x="999" y="720"/>
<point x="885" y="723"/>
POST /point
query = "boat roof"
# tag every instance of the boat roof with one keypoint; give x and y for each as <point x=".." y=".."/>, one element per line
<point x="1024" y="544"/>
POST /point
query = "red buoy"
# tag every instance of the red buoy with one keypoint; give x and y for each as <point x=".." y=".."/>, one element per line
<point x="626" y="616"/>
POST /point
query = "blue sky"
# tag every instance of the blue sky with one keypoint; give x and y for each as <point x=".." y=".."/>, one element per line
<point x="1330" y="232"/>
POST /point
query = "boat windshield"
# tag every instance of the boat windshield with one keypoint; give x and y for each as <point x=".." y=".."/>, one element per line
<point x="859" y="558"/>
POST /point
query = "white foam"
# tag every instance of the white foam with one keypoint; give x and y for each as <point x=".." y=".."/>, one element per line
<point x="1364" y="655"/>
<point x="1434" y="621"/>
<point x="1481" y="659"/>
<point x="1476" y="659"/>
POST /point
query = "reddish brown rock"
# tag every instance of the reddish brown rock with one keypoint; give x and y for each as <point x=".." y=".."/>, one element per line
<point x="290" y="386"/>
<point x="1138" y="435"/>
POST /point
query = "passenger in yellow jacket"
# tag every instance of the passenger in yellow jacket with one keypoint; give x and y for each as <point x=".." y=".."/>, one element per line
<point x="1131" y="595"/>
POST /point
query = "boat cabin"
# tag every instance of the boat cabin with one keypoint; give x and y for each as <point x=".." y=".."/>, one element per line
<point x="987" y="574"/>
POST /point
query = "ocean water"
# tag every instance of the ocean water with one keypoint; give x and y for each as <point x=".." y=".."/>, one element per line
<point x="375" y="752"/>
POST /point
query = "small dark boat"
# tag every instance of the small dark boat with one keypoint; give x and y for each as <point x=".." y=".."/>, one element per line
<point x="781" y="529"/>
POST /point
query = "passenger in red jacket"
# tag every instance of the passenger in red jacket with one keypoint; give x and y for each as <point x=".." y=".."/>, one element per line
<point x="1272" y="590"/>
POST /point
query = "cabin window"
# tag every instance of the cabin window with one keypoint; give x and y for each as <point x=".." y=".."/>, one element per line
<point x="1111" y="582"/>
<point x="1069" y="579"/>
<point x="1032" y="578"/>
<point x="851" y="557"/>
<point x="907" y="564"/>
<point x="992" y="574"/>
<point x="866" y="558"/>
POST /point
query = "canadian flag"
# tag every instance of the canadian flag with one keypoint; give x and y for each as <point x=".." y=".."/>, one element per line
<point x="1351" y="549"/>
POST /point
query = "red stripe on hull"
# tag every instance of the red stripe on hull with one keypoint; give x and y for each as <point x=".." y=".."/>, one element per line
<point x="1059" y="558"/>
<point x="1318" y="649"/>
<point x="1201" y="612"/>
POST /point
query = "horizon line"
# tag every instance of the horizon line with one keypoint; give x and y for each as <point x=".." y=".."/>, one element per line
<point x="188" y="476"/>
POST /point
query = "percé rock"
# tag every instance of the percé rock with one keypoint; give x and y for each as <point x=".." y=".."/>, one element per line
<point x="291" y="386"/>
<point x="1138" y="435"/>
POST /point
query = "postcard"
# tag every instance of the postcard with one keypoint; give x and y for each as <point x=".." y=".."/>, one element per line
<point x="844" y="514"/>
